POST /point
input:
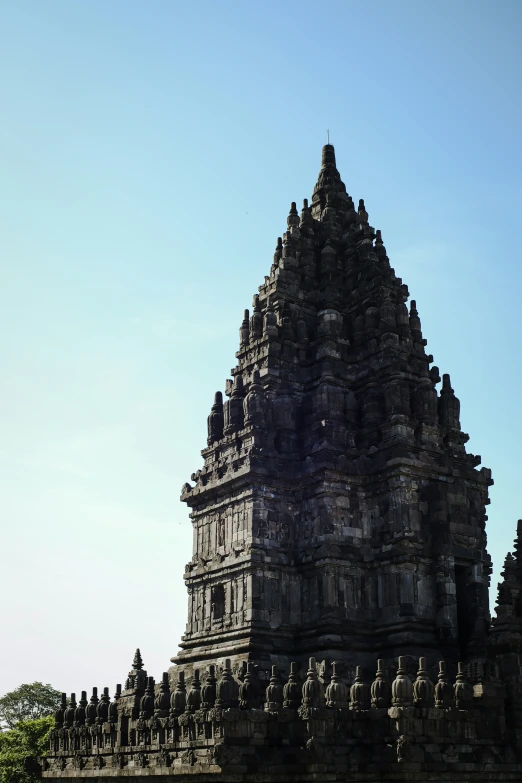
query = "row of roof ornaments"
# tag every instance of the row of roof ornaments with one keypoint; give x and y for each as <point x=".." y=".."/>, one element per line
<point x="388" y="318"/>
<point x="341" y="247"/>
<point x="381" y="310"/>
<point x="225" y="693"/>
<point x="253" y="409"/>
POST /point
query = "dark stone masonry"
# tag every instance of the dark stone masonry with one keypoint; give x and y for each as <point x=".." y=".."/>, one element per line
<point x="338" y="624"/>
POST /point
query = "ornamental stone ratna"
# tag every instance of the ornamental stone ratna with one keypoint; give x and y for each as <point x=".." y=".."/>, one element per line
<point x="338" y="625"/>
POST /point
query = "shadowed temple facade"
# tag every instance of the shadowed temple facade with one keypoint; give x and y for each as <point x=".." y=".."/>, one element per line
<point x="338" y="620"/>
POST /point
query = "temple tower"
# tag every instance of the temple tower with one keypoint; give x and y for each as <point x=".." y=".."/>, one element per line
<point x="337" y="514"/>
<point x="338" y="624"/>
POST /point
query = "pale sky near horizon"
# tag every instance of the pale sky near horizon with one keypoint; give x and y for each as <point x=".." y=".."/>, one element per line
<point x="149" y="153"/>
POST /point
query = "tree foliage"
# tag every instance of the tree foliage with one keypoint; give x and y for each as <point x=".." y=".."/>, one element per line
<point x="28" y="738"/>
<point x="28" y="702"/>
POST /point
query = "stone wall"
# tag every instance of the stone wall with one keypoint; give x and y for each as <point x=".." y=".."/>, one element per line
<point x="405" y="729"/>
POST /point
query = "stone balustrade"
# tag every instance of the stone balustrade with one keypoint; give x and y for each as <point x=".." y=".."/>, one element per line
<point x="237" y="725"/>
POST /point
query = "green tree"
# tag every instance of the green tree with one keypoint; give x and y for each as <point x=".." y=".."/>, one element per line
<point x="28" y="738"/>
<point x="28" y="702"/>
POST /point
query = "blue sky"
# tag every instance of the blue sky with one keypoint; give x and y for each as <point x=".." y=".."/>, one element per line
<point x="149" y="153"/>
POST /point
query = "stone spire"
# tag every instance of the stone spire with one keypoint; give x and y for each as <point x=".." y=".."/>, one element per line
<point x="506" y="632"/>
<point x="137" y="661"/>
<point x="337" y="517"/>
<point x="137" y="677"/>
<point x="353" y="461"/>
<point x="328" y="182"/>
<point x="517" y="547"/>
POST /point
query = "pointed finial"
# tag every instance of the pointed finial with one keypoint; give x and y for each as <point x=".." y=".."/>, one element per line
<point x="444" y="692"/>
<point x="311" y="690"/>
<point x="215" y="420"/>
<point x="292" y="690"/>
<point x="463" y="689"/>
<point x="363" y="214"/>
<point x="208" y="691"/>
<point x="360" y="694"/>
<point x="237" y="390"/>
<point x="293" y="217"/>
<point x="137" y="663"/>
<point x="379" y="245"/>
<point x="306" y="215"/>
<point x="415" y="324"/>
<point x="380" y="688"/>
<point x="517" y="551"/>
<point x="328" y="157"/>
<point x="244" y="331"/>
<point x="274" y="692"/>
<point x="446" y="382"/>
<point x="194" y="694"/>
<point x="90" y="709"/>
<point x="509" y="567"/>
<point x="278" y="254"/>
